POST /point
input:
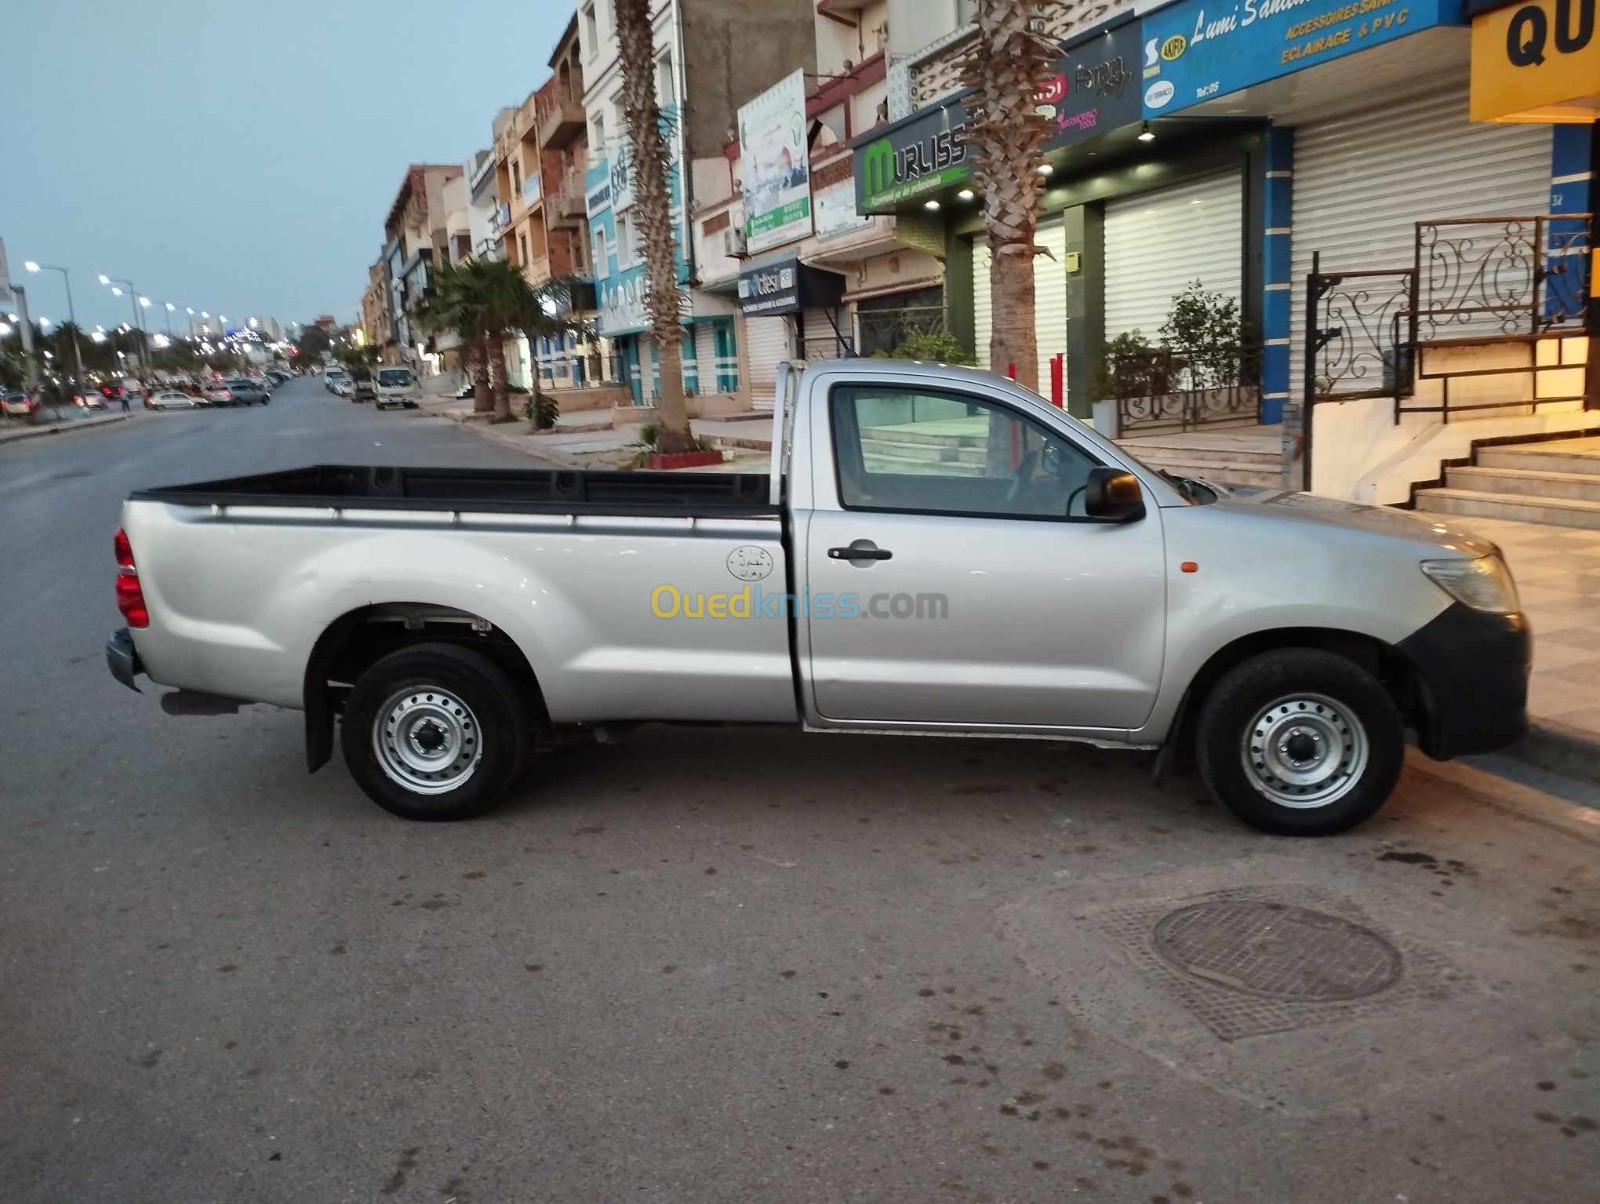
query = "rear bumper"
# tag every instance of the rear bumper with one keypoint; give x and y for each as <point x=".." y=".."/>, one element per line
<point x="1473" y="670"/>
<point x="122" y="658"/>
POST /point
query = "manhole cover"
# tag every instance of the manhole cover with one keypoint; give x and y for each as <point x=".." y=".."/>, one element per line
<point x="1277" y="951"/>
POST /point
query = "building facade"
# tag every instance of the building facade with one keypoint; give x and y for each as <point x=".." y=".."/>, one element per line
<point x="416" y="232"/>
<point x="711" y="56"/>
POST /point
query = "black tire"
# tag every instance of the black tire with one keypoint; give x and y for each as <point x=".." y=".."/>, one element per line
<point x="1328" y="702"/>
<point x="423" y="673"/>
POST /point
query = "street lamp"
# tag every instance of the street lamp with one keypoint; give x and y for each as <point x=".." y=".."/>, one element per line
<point x="72" y="317"/>
<point x="133" y="299"/>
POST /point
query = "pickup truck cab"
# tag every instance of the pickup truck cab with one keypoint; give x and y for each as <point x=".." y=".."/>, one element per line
<point x="935" y="551"/>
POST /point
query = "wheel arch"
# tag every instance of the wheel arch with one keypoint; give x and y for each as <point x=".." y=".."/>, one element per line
<point x="358" y="638"/>
<point x="1384" y="661"/>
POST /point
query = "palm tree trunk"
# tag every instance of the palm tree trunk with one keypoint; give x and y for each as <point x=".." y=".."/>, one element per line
<point x="1009" y="62"/>
<point x="653" y="212"/>
<point x="478" y="367"/>
<point x="497" y="377"/>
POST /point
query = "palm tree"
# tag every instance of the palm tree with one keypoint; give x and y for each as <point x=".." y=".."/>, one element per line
<point x="455" y="304"/>
<point x="485" y="301"/>
<point x="653" y="213"/>
<point x="1007" y="65"/>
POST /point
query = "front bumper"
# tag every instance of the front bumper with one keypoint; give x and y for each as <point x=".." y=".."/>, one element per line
<point x="1472" y="669"/>
<point x="122" y="658"/>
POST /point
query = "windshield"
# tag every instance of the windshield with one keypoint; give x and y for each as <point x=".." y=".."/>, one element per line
<point x="394" y="377"/>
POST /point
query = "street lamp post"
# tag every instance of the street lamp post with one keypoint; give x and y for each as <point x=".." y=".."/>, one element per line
<point x="133" y="304"/>
<point x="72" y="316"/>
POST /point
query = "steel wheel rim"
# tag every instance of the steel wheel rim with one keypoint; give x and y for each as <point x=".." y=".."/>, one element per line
<point x="427" y="740"/>
<point x="1305" y="751"/>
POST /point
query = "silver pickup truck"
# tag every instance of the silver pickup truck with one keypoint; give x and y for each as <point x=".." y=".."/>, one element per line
<point x="935" y="551"/>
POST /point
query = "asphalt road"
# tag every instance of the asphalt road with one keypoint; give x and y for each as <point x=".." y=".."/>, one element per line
<point x="726" y="966"/>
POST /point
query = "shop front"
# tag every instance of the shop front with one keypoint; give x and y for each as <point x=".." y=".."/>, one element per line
<point x="1130" y="216"/>
<point x="1377" y="162"/>
<point x="790" y="310"/>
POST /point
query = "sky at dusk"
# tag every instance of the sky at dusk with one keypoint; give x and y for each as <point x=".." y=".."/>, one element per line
<point x="239" y="158"/>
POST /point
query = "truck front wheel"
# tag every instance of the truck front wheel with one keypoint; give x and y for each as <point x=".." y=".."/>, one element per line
<point x="434" y="732"/>
<point x="1300" y="742"/>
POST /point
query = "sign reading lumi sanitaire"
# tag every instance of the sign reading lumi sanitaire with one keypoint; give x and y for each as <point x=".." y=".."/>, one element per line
<point x="1199" y="49"/>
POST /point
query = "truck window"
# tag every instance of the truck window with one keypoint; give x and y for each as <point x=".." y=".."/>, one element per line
<point x="929" y="451"/>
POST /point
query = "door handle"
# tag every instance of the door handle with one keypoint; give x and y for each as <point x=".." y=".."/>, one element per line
<point x="861" y="549"/>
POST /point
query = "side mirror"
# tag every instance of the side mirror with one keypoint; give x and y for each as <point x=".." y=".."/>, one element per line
<point x="1113" y="495"/>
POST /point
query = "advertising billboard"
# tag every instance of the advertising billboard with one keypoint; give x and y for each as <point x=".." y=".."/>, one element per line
<point x="777" y="182"/>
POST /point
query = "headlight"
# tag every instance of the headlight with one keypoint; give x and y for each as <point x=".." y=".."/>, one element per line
<point x="1484" y="584"/>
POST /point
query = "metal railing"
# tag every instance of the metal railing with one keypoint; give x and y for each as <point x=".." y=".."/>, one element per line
<point x="1480" y="279"/>
<point x="1183" y="388"/>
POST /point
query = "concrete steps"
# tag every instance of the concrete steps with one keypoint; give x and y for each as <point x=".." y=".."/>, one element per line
<point x="1216" y="456"/>
<point x="1529" y="482"/>
<point x="1559" y="512"/>
<point x="1556" y="482"/>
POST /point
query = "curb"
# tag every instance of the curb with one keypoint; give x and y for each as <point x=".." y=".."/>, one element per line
<point x="82" y="424"/>
<point x="1486" y="786"/>
<point x="1559" y="748"/>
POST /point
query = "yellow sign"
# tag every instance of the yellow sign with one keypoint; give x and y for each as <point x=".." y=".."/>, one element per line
<point x="1538" y="61"/>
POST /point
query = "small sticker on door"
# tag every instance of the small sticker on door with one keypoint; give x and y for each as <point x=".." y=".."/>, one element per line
<point x="750" y="563"/>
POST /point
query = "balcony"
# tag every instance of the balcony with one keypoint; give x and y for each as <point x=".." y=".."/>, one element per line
<point x="565" y="203"/>
<point x="537" y="270"/>
<point x="561" y="120"/>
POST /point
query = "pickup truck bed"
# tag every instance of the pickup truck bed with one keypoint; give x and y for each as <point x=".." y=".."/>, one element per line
<point x="533" y="490"/>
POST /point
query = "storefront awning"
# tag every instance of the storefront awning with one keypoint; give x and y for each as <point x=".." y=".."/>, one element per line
<point x="786" y="286"/>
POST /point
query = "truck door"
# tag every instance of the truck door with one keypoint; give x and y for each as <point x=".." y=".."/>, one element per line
<point x="954" y="577"/>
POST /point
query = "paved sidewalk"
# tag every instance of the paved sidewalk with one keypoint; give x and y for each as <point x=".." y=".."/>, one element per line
<point x="1557" y="570"/>
<point x="30" y="431"/>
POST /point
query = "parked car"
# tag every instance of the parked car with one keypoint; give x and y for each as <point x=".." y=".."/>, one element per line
<point x="171" y="399"/>
<point x="362" y="388"/>
<point x="96" y="397"/>
<point x="15" y="403"/>
<point x="332" y="377"/>
<point x="397" y="387"/>
<point x="246" y="392"/>
<point x="935" y="551"/>
<point x="342" y="386"/>
<point x="218" y="394"/>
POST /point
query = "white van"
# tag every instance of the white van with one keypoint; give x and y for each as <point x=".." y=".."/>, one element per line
<point x="396" y="387"/>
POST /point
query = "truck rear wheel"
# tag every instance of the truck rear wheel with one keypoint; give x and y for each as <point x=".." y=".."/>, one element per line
<point x="434" y="732"/>
<point x="1300" y="742"/>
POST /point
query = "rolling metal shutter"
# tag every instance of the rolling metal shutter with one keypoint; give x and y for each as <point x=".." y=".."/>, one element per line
<point x="1049" y="300"/>
<point x="1363" y="181"/>
<point x="821" y="341"/>
<point x="766" y="344"/>
<point x="1159" y="242"/>
<point x="705" y="357"/>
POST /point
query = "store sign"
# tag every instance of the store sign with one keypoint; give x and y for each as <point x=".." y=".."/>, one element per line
<point x="1095" y="88"/>
<point x="787" y="287"/>
<point x="1536" y="61"/>
<point x="774" y="165"/>
<point x="597" y="198"/>
<point x="923" y="154"/>
<point x="771" y="290"/>
<point x="622" y="309"/>
<point x="1198" y="49"/>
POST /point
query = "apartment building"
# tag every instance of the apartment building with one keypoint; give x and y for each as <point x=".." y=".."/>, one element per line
<point x="416" y="231"/>
<point x="711" y="56"/>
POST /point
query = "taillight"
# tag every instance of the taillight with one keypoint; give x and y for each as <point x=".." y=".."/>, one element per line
<point x="130" y="594"/>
